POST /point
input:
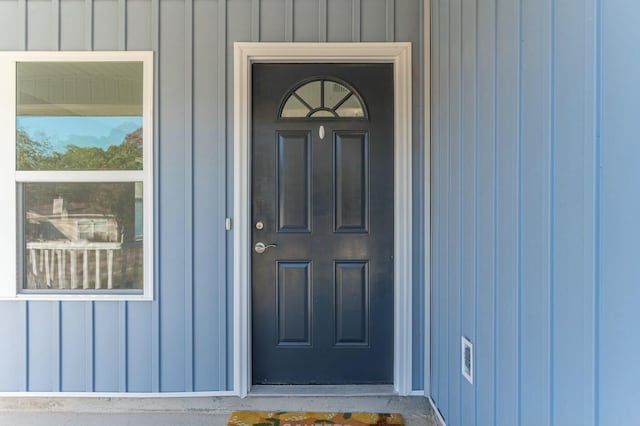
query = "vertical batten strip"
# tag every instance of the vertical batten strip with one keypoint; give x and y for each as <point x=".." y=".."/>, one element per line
<point x="55" y="24"/>
<point x="391" y="20"/>
<point x="24" y="347"/>
<point x="552" y="206"/>
<point x="88" y="24"/>
<point x="476" y="212"/>
<point x="255" y="22"/>
<point x="288" y="20"/>
<point x="222" y="153"/>
<point x="188" y="193"/>
<point x="122" y="25"/>
<point x="448" y="211"/>
<point x="494" y="213"/>
<point x="458" y="201"/>
<point x="155" y="310"/>
<point x="89" y="348"/>
<point x="597" y="129"/>
<point x="356" y="9"/>
<point x="322" y="20"/>
<point x="123" y="368"/>
<point x="519" y="192"/>
<point x="56" y="347"/>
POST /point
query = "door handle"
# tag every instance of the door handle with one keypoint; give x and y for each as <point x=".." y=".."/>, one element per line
<point x="262" y="247"/>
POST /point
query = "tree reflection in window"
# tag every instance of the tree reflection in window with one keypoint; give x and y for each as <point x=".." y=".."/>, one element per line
<point x="323" y="98"/>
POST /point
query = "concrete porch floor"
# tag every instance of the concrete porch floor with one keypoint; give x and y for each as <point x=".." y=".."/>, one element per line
<point x="211" y="411"/>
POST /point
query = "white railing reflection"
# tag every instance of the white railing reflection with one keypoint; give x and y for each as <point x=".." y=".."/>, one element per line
<point x="48" y="260"/>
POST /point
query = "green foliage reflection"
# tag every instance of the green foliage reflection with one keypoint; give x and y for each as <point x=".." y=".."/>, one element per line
<point x="38" y="154"/>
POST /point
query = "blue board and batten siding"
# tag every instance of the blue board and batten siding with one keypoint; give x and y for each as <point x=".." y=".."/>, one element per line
<point x="182" y="341"/>
<point x="535" y="210"/>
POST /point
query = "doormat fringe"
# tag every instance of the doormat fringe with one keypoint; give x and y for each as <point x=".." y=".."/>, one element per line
<point x="287" y="418"/>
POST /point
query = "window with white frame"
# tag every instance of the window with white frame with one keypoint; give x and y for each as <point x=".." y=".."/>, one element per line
<point x="76" y="169"/>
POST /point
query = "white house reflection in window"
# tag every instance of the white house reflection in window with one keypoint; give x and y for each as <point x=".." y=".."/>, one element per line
<point x="82" y="236"/>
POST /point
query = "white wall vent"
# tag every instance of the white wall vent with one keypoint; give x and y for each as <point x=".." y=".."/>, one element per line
<point x="466" y="359"/>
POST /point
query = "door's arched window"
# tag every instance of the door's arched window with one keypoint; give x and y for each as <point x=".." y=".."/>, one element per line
<point x="322" y="98"/>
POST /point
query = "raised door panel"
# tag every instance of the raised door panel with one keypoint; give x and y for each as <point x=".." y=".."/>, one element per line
<point x="351" y="303"/>
<point x="294" y="303"/>
<point x="351" y="193"/>
<point x="294" y="182"/>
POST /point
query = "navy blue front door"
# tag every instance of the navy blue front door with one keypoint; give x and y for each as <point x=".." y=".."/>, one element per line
<point x="322" y="220"/>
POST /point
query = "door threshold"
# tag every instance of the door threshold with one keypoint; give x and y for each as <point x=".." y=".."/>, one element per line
<point x="322" y="390"/>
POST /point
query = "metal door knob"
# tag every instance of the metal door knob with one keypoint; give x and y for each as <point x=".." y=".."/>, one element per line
<point x="261" y="247"/>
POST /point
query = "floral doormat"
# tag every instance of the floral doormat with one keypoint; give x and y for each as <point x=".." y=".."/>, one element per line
<point x="287" y="418"/>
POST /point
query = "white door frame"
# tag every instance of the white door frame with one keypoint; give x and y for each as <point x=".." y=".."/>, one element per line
<point x="427" y="198"/>
<point x="398" y="54"/>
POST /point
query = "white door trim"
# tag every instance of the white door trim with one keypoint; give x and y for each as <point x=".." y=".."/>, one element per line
<point x="427" y="196"/>
<point x="399" y="54"/>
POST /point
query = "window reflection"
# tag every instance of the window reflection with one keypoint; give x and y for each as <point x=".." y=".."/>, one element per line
<point x="79" y="116"/>
<point x="82" y="235"/>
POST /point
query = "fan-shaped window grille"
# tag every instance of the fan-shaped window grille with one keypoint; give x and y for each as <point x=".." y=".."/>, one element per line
<point x="323" y="98"/>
